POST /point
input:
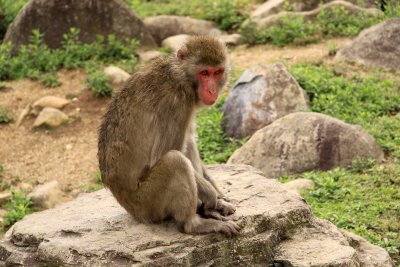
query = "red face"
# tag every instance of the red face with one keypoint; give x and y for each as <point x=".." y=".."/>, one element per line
<point x="208" y="78"/>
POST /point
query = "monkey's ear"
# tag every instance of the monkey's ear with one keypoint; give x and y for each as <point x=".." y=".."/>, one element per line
<point x="180" y="55"/>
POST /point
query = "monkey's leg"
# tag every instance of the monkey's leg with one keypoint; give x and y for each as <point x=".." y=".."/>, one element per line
<point x="208" y="192"/>
<point x="170" y="190"/>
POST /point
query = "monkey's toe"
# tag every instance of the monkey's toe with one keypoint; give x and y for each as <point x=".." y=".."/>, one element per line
<point x="214" y="215"/>
<point x="229" y="228"/>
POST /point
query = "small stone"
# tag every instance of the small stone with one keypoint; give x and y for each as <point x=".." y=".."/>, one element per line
<point x="50" y="117"/>
<point x="47" y="195"/>
<point x="4" y="197"/>
<point x="231" y="39"/>
<point x="175" y="42"/>
<point x="117" y="76"/>
<point x="23" y="114"/>
<point x="149" y="55"/>
<point x="300" y="185"/>
<point x="50" y="102"/>
<point x="68" y="147"/>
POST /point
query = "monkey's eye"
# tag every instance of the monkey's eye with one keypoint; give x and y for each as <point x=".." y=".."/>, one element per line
<point x="218" y="72"/>
<point x="204" y="73"/>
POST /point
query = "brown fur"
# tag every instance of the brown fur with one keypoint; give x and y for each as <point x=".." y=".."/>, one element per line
<point x="147" y="152"/>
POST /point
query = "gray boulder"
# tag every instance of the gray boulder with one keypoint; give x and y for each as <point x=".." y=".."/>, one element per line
<point x="378" y="46"/>
<point x="306" y="141"/>
<point x="162" y="27"/>
<point x="94" y="230"/>
<point x="261" y="95"/>
<point x="92" y="17"/>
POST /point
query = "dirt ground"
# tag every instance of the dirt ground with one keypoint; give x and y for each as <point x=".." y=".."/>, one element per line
<point x="68" y="155"/>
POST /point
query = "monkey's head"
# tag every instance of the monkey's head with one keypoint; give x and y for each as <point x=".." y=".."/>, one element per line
<point x="205" y="61"/>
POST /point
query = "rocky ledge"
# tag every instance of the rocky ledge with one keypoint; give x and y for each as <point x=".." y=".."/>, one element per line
<point x="278" y="229"/>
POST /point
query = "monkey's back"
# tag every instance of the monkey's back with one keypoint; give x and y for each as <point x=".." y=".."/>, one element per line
<point x="143" y="122"/>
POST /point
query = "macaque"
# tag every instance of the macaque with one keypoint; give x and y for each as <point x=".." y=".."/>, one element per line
<point x="147" y="151"/>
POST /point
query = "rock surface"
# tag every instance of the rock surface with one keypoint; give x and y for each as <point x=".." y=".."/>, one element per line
<point x="50" y="117"/>
<point x="117" y="76"/>
<point x="312" y="14"/>
<point x="300" y="185"/>
<point x="175" y="42"/>
<point x="3" y="27"/>
<point x="306" y="141"/>
<point x="92" y="17"/>
<point x="50" y="102"/>
<point x="261" y="95"/>
<point x="231" y="39"/>
<point x="149" y="55"/>
<point x="272" y="7"/>
<point x="162" y="27"/>
<point x="378" y="46"/>
<point x="47" y="195"/>
<point x="94" y="230"/>
<point x="4" y="197"/>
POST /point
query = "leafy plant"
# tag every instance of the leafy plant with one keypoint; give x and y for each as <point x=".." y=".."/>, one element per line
<point x="16" y="208"/>
<point x="11" y="9"/>
<point x="213" y="145"/>
<point x="51" y="80"/>
<point x="99" y="84"/>
<point x="227" y="14"/>
<point x="5" y="116"/>
<point x="97" y="185"/>
<point x="35" y="59"/>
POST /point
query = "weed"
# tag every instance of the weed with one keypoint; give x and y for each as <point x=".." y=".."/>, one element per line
<point x="36" y="58"/>
<point x="99" y="84"/>
<point x="51" y="80"/>
<point x="227" y="14"/>
<point x="361" y="165"/>
<point x="11" y="9"/>
<point x="332" y="49"/>
<point x="97" y="185"/>
<point x="5" y="116"/>
<point x="213" y="145"/>
<point x="16" y="208"/>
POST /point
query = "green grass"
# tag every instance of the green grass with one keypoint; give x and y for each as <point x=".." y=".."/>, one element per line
<point x="50" y="80"/>
<point x="213" y="144"/>
<point x="5" y="115"/>
<point x="329" y="23"/>
<point x="19" y="206"/>
<point x="370" y="102"/>
<point x="366" y="202"/>
<point x="97" y="184"/>
<point x="11" y="8"/>
<point x="365" y="198"/>
<point x="227" y="14"/>
<point x="37" y="61"/>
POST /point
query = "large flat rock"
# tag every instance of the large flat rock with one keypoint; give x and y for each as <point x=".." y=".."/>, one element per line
<point x="94" y="230"/>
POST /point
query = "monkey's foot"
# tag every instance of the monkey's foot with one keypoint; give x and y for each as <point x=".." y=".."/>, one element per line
<point x="213" y="214"/>
<point x="203" y="226"/>
<point x="225" y="208"/>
